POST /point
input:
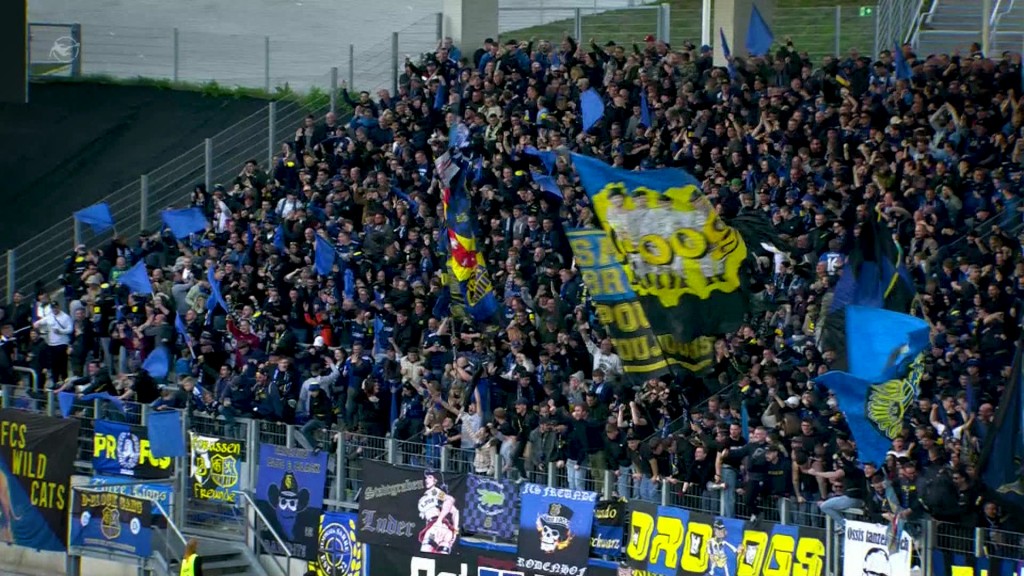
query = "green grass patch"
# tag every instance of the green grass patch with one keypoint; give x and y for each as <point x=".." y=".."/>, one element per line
<point x="313" y="99"/>
<point x="811" y="23"/>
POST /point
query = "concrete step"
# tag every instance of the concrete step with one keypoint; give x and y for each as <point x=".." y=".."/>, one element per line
<point x="234" y="567"/>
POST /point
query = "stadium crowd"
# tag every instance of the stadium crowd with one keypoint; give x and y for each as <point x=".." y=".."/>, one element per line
<point x="815" y="148"/>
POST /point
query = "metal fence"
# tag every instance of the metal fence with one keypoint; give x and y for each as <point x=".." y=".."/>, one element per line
<point x="348" y="452"/>
<point x="818" y="31"/>
<point x="267" y="62"/>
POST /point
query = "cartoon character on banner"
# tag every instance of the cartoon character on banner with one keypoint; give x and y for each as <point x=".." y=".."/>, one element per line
<point x="7" y="515"/>
<point x="437" y="509"/>
<point x="555" y="528"/>
<point x="718" y="549"/>
<point x="290" y="501"/>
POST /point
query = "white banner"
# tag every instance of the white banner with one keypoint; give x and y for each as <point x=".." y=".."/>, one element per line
<point x="869" y="550"/>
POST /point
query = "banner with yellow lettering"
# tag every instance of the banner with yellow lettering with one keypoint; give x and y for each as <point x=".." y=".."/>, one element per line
<point x="37" y="458"/>
<point x="112" y="522"/>
<point x="215" y="468"/>
<point x="643" y="335"/>
<point x="677" y="252"/>
<point x="120" y="449"/>
<point x="668" y="541"/>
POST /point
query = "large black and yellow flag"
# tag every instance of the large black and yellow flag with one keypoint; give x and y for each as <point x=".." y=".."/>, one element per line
<point x="686" y="266"/>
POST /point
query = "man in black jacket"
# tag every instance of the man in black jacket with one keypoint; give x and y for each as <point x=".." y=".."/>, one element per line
<point x="321" y="415"/>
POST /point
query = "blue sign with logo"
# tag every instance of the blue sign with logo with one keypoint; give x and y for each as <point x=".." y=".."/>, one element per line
<point x="160" y="493"/>
<point x="338" y="551"/>
<point x="554" y="529"/>
<point x="113" y="522"/>
<point x="290" y="494"/>
<point x="123" y="450"/>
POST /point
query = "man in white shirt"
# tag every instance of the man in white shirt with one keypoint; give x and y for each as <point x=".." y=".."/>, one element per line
<point x="58" y="327"/>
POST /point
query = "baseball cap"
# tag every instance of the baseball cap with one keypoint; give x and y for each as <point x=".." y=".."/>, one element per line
<point x="649" y="38"/>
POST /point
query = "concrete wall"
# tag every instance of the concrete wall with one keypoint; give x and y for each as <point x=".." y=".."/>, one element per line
<point x="469" y="22"/>
<point x="733" y="18"/>
<point x="28" y="562"/>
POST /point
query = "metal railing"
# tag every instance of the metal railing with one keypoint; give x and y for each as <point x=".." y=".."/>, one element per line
<point x="349" y="450"/>
<point x="181" y="55"/>
<point x="258" y="525"/>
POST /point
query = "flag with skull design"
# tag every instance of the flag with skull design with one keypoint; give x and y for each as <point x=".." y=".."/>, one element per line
<point x="554" y="528"/>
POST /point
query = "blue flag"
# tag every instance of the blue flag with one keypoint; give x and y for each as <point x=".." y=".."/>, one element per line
<point x="350" y="284"/>
<point x="179" y="325"/>
<point x="903" y="71"/>
<point x="184" y="222"/>
<point x="441" y="98"/>
<point x="413" y="205"/>
<point x="759" y="35"/>
<point x="1003" y="452"/>
<point x="645" y="109"/>
<point x="216" y="297"/>
<point x="324" y="257"/>
<point x="465" y="262"/>
<point x="548" y="184"/>
<point x="66" y="400"/>
<point x="745" y="419"/>
<point x="158" y="363"/>
<point x="728" y="54"/>
<point x="880" y="343"/>
<point x="166" y="438"/>
<point x="547" y="157"/>
<point x="136" y="279"/>
<point x="875" y="411"/>
<point x="592" y="107"/>
<point x="96" y="217"/>
<point x="279" y="237"/>
<point x="442" y="308"/>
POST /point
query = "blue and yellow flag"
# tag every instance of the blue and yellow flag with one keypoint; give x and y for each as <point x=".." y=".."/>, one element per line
<point x="678" y="254"/>
<point x="641" y="337"/>
<point x="469" y="281"/>
<point x="876" y="412"/>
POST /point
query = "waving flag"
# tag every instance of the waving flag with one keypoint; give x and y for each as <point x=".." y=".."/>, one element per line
<point x="216" y="297"/>
<point x="158" y="363"/>
<point x="759" y="35"/>
<point x="548" y="184"/>
<point x="279" y="237"/>
<point x="324" y="256"/>
<point x="875" y="411"/>
<point x="547" y="157"/>
<point x="96" y="217"/>
<point x="645" y="109"/>
<point x="470" y="278"/>
<point x="880" y="343"/>
<point x="592" y="107"/>
<point x="728" y="54"/>
<point x="1003" y="454"/>
<point x="179" y="326"/>
<point x="903" y="71"/>
<point x="184" y="222"/>
<point x="137" y="279"/>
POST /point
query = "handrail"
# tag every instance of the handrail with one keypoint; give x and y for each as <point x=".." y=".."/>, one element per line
<point x="915" y="26"/>
<point x="997" y="16"/>
<point x="32" y="374"/>
<point x="277" y="537"/>
<point x="170" y="523"/>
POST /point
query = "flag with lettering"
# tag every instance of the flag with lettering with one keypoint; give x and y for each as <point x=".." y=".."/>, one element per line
<point x="37" y="459"/>
<point x="554" y="528"/>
